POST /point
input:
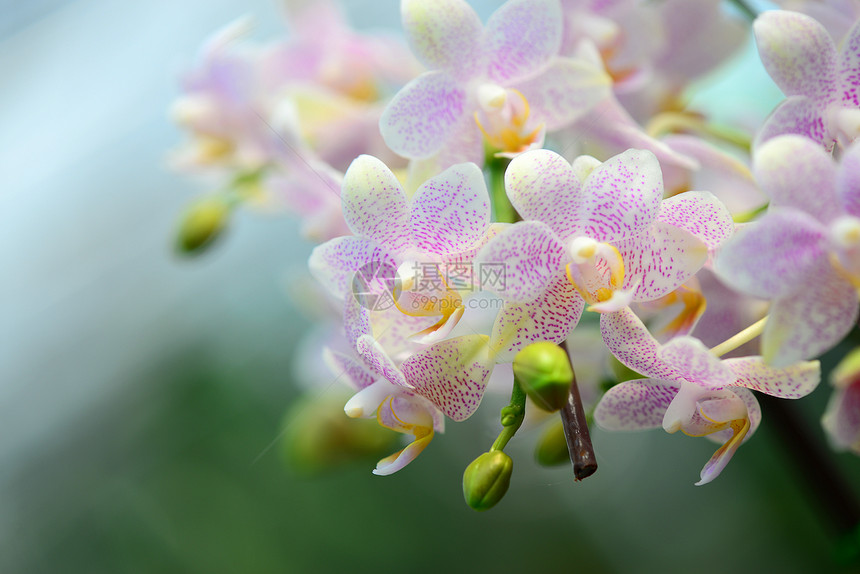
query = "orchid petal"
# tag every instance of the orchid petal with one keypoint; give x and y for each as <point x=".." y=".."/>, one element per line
<point x="634" y="405"/>
<point x="798" y="53"/>
<point x="791" y="382"/>
<point x="404" y="415"/>
<point x="542" y="186"/>
<point x="814" y="317"/>
<point x="420" y="118"/>
<point x="691" y="358"/>
<point x="451" y="212"/>
<point x="565" y="91"/>
<point x="841" y="419"/>
<point x="365" y="403"/>
<point x="531" y="255"/>
<point x="551" y="317"/>
<point x="660" y="260"/>
<point x="850" y="67"/>
<point x="452" y="374"/>
<point x="379" y="360"/>
<point x="374" y="204"/>
<point x="797" y="115"/>
<point x="621" y="196"/>
<point x="723" y="455"/>
<point x="701" y="214"/>
<point x="630" y="342"/>
<point x="521" y="37"/>
<point x="723" y="409"/>
<point x="346" y="368"/>
<point x="443" y="34"/>
<point x="808" y="185"/>
<point x="335" y="262"/>
<point x="771" y="257"/>
<point x="848" y="180"/>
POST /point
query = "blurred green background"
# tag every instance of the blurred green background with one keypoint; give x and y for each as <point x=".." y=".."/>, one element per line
<point x="142" y="396"/>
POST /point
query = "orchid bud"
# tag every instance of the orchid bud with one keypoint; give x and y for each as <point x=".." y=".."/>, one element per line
<point x="544" y="372"/>
<point x="202" y="223"/>
<point x="486" y="479"/>
<point x="552" y="446"/>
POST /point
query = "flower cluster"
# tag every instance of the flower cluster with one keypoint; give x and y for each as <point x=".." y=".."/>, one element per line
<point x="519" y="182"/>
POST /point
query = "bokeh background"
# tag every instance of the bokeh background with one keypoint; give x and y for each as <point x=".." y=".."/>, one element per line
<point x="142" y="394"/>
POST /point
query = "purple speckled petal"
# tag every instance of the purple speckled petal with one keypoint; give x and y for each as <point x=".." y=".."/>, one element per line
<point x="374" y="205"/>
<point x="660" y="260"/>
<point x="450" y="212"/>
<point x="797" y="172"/>
<point x="565" y="91"/>
<point x="621" y="197"/>
<point x="701" y="214"/>
<point x="850" y="67"/>
<point x="691" y="358"/>
<point x="420" y="118"/>
<point x="630" y="342"/>
<point x="452" y="374"/>
<point x="348" y="369"/>
<point x="335" y="262"/>
<point x="753" y="408"/>
<point x="771" y="256"/>
<point x="550" y="317"/>
<point x="841" y="419"/>
<point x="521" y="37"/>
<point x="634" y="405"/>
<point x="792" y="382"/>
<point x="798" y="53"/>
<point x="408" y="416"/>
<point x="797" y="115"/>
<point x="811" y="319"/>
<point x="378" y="360"/>
<point x="542" y="186"/>
<point x="443" y="34"/>
<point x="531" y="255"/>
<point x="848" y="180"/>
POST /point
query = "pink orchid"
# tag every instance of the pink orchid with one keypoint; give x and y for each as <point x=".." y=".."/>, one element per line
<point x="837" y="16"/>
<point x="504" y="79"/>
<point x="804" y="254"/>
<point x="820" y="82"/>
<point x="599" y="233"/>
<point x="841" y="419"/>
<point x="689" y="389"/>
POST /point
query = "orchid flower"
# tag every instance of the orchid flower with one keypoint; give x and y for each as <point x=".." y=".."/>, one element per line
<point x="689" y="389"/>
<point x="505" y="80"/>
<point x="820" y="81"/>
<point x="598" y="233"/>
<point x="841" y="419"/>
<point x="837" y="16"/>
<point x="804" y="254"/>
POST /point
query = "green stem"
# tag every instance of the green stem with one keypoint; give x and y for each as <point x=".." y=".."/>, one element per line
<point x="504" y="211"/>
<point x="745" y="9"/>
<point x="512" y="416"/>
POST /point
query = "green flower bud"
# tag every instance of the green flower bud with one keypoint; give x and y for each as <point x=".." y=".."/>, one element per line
<point x="486" y="479"/>
<point x="552" y="447"/>
<point x="319" y="437"/>
<point x="202" y="223"/>
<point x="544" y="372"/>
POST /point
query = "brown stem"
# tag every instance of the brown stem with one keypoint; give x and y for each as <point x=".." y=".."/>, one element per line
<point x="576" y="432"/>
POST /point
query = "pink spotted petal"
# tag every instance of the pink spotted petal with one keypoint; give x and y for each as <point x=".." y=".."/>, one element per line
<point x="772" y="256"/>
<point x="791" y="382"/>
<point x="443" y="34"/>
<point x="798" y="53"/>
<point x="521" y="37"/>
<point x="630" y="342"/>
<point x="848" y="180"/>
<point x="810" y="320"/>
<point x="660" y="260"/>
<point x="753" y="408"/>
<point x="335" y="263"/>
<point x="379" y="360"/>
<point x="696" y="364"/>
<point x="621" y="197"/>
<point x="465" y="143"/>
<point x="850" y="67"/>
<point x="407" y="416"/>
<point x="348" y="369"/>
<point x="701" y="214"/>
<point x="635" y="405"/>
<point x="565" y="91"/>
<point x="551" y="317"/>
<point x="797" y="115"/>
<point x="452" y="374"/>
<point x="542" y="186"/>
<point x="841" y="419"/>
<point x="797" y="172"/>
<point x="420" y="118"/>
<point x="374" y="204"/>
<point x="450" y="212"/>
<point x="528" y="254"/>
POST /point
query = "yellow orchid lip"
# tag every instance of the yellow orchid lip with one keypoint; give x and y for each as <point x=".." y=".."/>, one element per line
<point x="507" y="134"/>
<point x="586" y="272"/>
